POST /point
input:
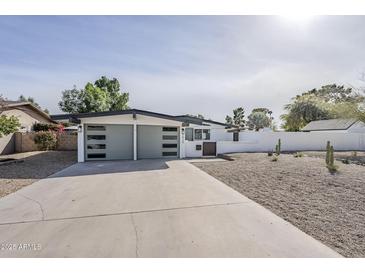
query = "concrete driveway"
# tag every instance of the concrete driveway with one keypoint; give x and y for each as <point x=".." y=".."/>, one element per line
<point x="147" y="208"/>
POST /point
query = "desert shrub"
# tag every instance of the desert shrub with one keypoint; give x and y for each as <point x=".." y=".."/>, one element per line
<point x="275" y="158"/>
<point x="45" y="127"/>
<point x="354" y="154"/>
<point x="330" y="160"/>
<point x="270" y="153"/>
<point x="278" y="147"/>
<point x="346" y="161"/>
<point x="45" y="140"/>
<point x="299" y="154"/>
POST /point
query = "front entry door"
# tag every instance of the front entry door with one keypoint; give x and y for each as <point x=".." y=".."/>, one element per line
<point x="209" y="148"/>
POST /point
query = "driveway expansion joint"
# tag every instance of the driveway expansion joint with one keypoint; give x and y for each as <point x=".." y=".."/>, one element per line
<point x="136" y="235"/>
<point x="119" y="213"/>
<point x="35" y="201"/>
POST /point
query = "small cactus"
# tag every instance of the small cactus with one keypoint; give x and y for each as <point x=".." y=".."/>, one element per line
<point x="330" y="159"/>
<point x="328" y="147"/>
<point x="278" y="148"/>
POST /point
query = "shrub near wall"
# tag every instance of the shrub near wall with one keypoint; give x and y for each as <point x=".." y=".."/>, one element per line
<point x="25" y="141"/>
<point x="46" y="140"/>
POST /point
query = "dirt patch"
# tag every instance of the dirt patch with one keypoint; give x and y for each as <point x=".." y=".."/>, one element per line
<point x="331" y="208"/>
<point x="35" y="166"/>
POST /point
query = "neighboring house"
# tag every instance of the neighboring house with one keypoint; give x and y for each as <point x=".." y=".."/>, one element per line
<point x="27" y="114"/>
<point x="138" y="134"/>
<point x="337" y="125"/>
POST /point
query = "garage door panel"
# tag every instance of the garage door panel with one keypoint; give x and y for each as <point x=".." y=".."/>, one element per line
<point x="157" y="141"/>
<point x="108" y="142"/>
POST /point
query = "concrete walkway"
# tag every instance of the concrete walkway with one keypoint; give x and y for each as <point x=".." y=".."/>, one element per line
<point x="147" y="208"/>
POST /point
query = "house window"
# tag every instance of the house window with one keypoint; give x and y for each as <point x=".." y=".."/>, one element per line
<point x="96" y="155"/>
<point x="169" y="129"/>
<point x="189" y="134"/>
<point x="96" y="137"/>
<point x="235" y="136"/>
<point x="206" y="134"/>
<point x="96" y="146"/>
<point x="169" y="137"/>
<point x="169" y="153"/>
<point x="169" y="145"/>
<point x="198" y="134"/>
<point x="96" y="128"/>
<point x="198" y="147"/>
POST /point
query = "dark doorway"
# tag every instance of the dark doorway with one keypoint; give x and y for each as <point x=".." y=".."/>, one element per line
<point x="209" y="148"/>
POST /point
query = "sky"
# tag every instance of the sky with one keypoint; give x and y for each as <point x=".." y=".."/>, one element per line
<point x="205" y="65"/>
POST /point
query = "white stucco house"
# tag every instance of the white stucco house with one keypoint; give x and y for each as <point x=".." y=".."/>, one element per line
<point x="139" y="134"/>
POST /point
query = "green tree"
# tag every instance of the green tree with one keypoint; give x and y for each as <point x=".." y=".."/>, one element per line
<point x="318" y="104"/>
<point x="95" y="99"/>
<point x="72" y="101"/>
<point x="258" y="120"/>
<point x="8" y="125"/>
<point x="116" y="99"/>
<point x="103" y="95"/>
<point x="238" y="118"/>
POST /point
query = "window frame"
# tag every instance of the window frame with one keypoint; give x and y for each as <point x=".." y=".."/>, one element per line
<point x="201" y="134"/>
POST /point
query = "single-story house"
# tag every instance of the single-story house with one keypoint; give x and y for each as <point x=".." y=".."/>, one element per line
<point x="337" y="125"/>
<point x="138" y="134"/>
<point x="28" y="114"/>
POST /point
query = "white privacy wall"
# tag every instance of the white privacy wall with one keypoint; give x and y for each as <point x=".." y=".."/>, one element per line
<point x="292" y="141"/>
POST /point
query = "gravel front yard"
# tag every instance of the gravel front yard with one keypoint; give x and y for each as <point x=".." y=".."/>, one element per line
<point x="331" y="208"/>
<point x="37" y="165"/>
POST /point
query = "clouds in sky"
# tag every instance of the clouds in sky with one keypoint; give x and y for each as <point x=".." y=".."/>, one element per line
<point x="184" y="64"/>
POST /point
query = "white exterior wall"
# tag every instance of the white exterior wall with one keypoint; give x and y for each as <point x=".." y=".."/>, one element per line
<point x="80" y="144"/>
<point x="292" y="141"/>
<point x="217" y="133"/>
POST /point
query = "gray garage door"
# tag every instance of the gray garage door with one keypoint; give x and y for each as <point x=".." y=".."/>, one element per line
<point x="108" y="142"/>
<point x="157" y="142"/>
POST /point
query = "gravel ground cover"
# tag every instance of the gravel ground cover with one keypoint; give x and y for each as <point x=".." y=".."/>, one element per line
<point x="36" y="165"/>
<point x="331" y="208"/>
<point x="358" y="158"/>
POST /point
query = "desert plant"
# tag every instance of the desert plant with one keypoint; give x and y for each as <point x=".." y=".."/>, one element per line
<point x="278" y="147"/>
<point x="299" y="154"/>
<point x="270" y="153"/>
<point x="331" y="161"/>
<point x="346" y="161"/>
<point x="354" y="154"/>
<point x="275" y="158"/>
<point x="45" y="140"/>
<point x="328" y="147"/>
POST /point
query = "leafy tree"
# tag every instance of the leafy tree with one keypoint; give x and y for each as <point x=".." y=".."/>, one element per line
<point x="318" y="104"/>
<point x="103" y="95"/>
<point x="8" y="124"/>
<point x="238" y="118"/>
<point x="72" y="101"/>
<point x="116" y="100"/>
<point x="95" y="99"/>
<point x="229" y="120"/>
<point x="258" y="120"/>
